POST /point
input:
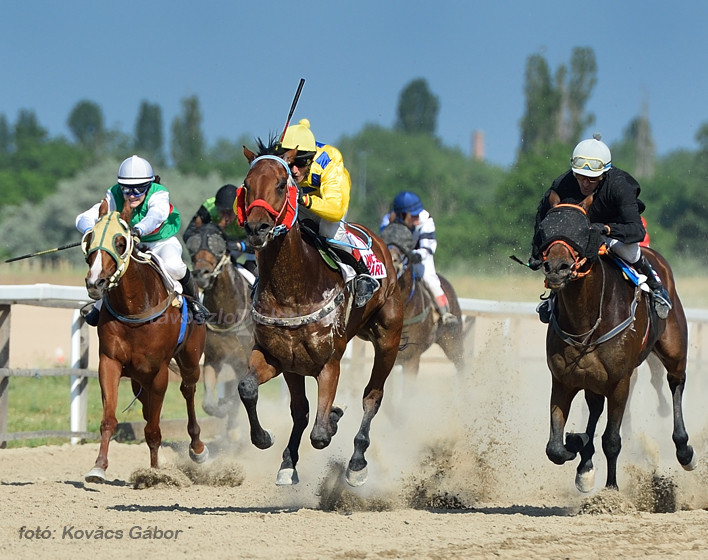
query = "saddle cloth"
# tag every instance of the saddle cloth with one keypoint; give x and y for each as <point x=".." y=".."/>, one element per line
<point x="361" y="252"/>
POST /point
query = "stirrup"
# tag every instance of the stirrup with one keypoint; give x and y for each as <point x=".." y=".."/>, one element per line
<point x="90" y="315"/>
<point x="662" y="302"/>
<point x="449" y="319"/>
<point x="544" y="310"/>
<point x="365" y="287"/>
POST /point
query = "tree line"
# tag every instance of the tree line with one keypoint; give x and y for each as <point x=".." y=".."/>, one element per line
<point x="483" y="212"/>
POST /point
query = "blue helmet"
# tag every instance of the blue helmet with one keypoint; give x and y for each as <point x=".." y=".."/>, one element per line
<point x="407" y="203"/>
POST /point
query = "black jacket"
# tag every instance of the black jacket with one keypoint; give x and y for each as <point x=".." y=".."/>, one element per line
<point x="616" y="204"/>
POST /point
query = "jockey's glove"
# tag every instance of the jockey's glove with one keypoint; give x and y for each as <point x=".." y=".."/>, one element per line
<point x="602" y="229"/>
<point x="304" y="200"/>
<point x="416" y="258"/>
<point x="534" y="263"/>
<point x="135" y="232"/>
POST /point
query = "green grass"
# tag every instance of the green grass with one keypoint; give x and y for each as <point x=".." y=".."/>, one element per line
<point x="37" y="404"/>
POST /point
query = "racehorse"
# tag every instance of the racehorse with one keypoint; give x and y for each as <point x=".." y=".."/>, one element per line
<point x="229" y="336"/>
<point x="421" y="327"/>
<point x="601" y="329"/>
<point x="139" y="331"/>
<point x="304" y="317"/>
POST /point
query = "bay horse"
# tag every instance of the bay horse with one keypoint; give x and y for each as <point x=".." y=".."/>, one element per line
<point x="304" y="317"/>
<point x="140" y="329"/>
<point x="602" y="327"/>
<point x="229" y="336"/>
<point x="421" y="327"/>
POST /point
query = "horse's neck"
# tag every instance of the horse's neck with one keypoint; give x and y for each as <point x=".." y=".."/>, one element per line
<point x="288" y="267"/>
<point x="579" y="301"/>
<point x="140" y="288"/>
<point x="228" y="292"/>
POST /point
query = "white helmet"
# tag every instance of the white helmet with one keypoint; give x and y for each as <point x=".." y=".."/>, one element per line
<point x="135" y="171"/>
<point x="591" y="157"/>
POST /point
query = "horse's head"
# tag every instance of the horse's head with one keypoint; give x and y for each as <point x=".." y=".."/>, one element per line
<point x="399" y="240"/>
<point x="569" y="244"/>
<point x="208" y="249"/>
<point x="266" y="203"/>
<point x="107" y="247"/>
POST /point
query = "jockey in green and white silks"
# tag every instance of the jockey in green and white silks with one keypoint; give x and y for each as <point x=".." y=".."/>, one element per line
<point x="155" y="219"/>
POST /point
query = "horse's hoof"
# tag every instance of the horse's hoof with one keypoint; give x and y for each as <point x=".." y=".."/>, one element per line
<point x="357" y="478"/>
<point x="692" y="464"/>
<point x="199" y="458"/>
<point x="585" y="482"/>
<point x="287" y="477"/>
<point x="96" y="474"/>
<point x="268" y="440"/>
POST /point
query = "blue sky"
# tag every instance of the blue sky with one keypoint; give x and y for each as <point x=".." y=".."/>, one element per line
<point x="244" y="63"/>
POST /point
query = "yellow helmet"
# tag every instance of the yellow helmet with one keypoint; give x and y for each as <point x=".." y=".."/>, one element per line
<point x="299" y="136"/>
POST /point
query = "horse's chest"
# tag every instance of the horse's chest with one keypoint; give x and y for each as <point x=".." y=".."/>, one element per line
<point x="299" y="349"/>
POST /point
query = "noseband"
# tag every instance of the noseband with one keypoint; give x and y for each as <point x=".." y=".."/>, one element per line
<point x="105" y="240"/>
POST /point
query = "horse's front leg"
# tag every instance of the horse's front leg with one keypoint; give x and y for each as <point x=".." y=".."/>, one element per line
<point x="198" y="452"/>
<point x="300" y="413"/>
<point x="611" y="439"/>
<point x="561" y="398"/>
<point x="326" y="421"/>
<point x="109" y="371"/>
<point x="259" y="371"/>
<point x="585" y="475"/>
<point x="210" y="402"/>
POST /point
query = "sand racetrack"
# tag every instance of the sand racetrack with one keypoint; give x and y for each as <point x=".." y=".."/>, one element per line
<point x="457" y="469"/>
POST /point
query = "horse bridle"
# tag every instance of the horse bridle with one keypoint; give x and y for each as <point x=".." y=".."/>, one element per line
<point x="107" y="242"/>
<point x="279" y="226"/>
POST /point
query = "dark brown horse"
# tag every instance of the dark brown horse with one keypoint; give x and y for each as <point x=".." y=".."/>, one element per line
<point x="229" y="336"/>
<point x="602" y="328"/>
<point x="140" y="330"/>
<point x="305" y="316"/>
<point x="421" y="327"/>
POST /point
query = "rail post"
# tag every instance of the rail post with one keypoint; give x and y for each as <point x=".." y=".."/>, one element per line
<point x="4" y="363"/>
<point x="79" y="384"/>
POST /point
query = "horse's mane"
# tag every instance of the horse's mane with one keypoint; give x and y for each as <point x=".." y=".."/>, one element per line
<point x="272" y="148"/>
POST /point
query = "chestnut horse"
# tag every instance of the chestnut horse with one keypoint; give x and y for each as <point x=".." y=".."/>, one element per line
<point x="305" y="316"/>
<point x="229" y="337"/>
<point x="421" y="326"/>
<point x="601" y="329"/>
<point x="139" y="331"/>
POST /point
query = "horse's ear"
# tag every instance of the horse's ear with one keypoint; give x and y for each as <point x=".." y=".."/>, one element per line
<point x="289" y="156"/>
<point x="198" y="222"/>
<point x="587" y="202"/>
<point x="554" y="199"/>
<point x="103" y="208"/>
<point x="250" y="156"/>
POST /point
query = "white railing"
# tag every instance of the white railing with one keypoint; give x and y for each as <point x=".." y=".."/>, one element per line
<point x="74" y="297"/>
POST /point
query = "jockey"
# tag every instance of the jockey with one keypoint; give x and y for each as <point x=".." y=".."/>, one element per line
<point x="219" y="210"/>
<point x="408" y="209"/>
<point x="615" y="211"/>
<point x="324" y="186"/>
<point x="154" y="221"/>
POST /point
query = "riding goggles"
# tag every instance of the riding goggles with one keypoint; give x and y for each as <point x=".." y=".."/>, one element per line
<point x="138" y="190"/>
<point x="301" y="162"/>
<point x="591" y="164"/>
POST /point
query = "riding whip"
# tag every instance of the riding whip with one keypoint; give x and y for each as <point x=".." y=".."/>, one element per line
<point x="38" y="253"/>
<point x="292" y="107"/>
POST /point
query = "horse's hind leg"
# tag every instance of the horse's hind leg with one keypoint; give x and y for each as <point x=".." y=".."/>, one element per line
<point x="299" y="411"/>
<point x="585" y="475"/>
<point x="109" y="379"/>
<point x="384" y="358"/>
<point x="189" y="370"/>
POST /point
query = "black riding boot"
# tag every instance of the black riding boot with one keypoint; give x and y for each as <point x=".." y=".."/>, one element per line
<point x="365" y="285"/>
<point x="190" y="289"/>
<point x="660" y="297"/>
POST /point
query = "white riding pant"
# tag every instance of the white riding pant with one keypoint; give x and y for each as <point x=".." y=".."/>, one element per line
<point x="629" y="252"/>
<point x="170" y="251"/>
<point x="330" y="230"/>
<point x="430" y="275"/>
